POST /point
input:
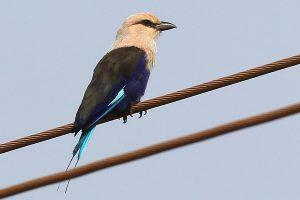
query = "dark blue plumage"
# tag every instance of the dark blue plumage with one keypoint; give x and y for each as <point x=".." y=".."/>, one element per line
<point x="119" y="81"/>
<point x="136" y="86"/>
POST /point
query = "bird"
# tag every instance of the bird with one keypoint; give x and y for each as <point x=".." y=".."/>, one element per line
<point x="121" y="76"/>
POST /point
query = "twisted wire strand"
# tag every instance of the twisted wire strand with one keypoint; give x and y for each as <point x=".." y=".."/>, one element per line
<point x="150" y="150"/>
<point x="159" y="101"/>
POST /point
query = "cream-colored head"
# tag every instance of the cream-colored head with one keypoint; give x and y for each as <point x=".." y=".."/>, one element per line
<point x="141" y="30"/>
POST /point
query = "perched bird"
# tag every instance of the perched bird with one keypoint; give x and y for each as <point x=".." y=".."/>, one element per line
<point x="120" y="78"/>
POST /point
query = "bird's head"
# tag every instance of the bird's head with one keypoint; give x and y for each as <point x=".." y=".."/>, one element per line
<point x="141" y="30"/>
<point x="143" y="25"/>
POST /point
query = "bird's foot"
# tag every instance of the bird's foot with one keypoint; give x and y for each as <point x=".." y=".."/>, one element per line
<point x="124" y="119"/>
<point x="126" y="114"/>
<point x="142" y="113"/>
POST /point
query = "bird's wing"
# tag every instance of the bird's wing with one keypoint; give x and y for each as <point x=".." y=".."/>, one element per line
<point x="106" y="88"/>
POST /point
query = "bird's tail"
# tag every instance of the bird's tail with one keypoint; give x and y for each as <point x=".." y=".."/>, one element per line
<point x="79" y="148"/>
<point x="84" y="139"/>
<point x="88" y="132"/>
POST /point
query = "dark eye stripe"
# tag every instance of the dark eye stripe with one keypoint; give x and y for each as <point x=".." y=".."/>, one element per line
<point x="147" y="23"/>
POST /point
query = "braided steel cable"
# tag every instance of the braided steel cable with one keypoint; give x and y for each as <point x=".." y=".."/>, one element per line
<point x="150" y="150"/>
<point x="162" y="100"/>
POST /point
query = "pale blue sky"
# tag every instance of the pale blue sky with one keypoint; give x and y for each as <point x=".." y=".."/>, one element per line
<point x="48" y="50"/>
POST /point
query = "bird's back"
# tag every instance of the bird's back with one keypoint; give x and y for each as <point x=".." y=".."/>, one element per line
<point x="117" y="69"/>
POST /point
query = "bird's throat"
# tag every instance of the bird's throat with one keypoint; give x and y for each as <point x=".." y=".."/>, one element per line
<point x="147" y="44"/>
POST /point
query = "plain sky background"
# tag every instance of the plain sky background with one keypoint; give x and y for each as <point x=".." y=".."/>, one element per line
<point x="48" y="50"/>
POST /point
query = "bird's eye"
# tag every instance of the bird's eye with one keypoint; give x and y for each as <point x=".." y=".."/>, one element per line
<point x="147" y="23"/>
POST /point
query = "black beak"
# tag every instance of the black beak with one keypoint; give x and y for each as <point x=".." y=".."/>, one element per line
<point x="163" y="26"/>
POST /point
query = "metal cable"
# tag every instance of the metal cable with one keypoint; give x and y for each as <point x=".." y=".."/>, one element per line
<point x="159" y="101"/>
<point x="150" y="150"/>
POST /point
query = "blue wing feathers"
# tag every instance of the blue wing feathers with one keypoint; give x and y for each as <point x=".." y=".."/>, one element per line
<point x="119" y="80"/>
<point x="88" y="132"/>
<point x="120" y="97"/>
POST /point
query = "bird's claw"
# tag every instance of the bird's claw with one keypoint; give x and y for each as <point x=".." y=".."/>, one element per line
<point x="141" y="113"/>
<point x="131" y="115"/>
<point x="126" y="114"/>
<point x="125" y="119"/>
